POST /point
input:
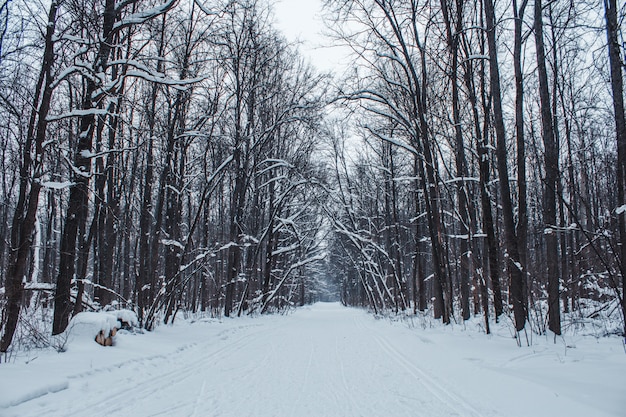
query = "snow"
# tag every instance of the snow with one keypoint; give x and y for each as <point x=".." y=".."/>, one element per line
<point x="477" y="56"/>
<point x="78" y="113"/>
<point x="88" y="324"/>
<point x="142" y="17"/>
<point x="41" y="286"/>
<point x="620" y="209"/>
<point x="57" y="185"/>
<point x="86" y="154"/>
<point x="171" y="242"/>
<point x="286" y="249"/>
<point x="323" y="360"/>
<point x="462" y="179"/>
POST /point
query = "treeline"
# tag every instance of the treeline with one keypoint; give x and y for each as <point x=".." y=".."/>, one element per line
<point x="164" y="155"/>
<point x="488" y="177"/>
<point x="157" y="155"/>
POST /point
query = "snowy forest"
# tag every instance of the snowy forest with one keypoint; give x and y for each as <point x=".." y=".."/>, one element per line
<point x="176" y="157"/>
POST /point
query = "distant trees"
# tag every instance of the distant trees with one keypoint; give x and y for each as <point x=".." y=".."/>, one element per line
<point x="397" y="92"/>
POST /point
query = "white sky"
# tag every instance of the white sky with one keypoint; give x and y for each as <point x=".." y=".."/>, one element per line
<point x="300" y="20"/>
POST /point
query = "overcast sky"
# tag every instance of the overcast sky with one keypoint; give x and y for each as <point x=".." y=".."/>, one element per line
<point x="301" y="20"/>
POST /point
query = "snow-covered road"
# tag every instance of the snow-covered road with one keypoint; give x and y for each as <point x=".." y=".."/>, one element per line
<point x="323" y="360"/>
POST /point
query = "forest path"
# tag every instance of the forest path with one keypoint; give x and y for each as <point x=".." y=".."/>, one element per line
<point x="324" y="360"/>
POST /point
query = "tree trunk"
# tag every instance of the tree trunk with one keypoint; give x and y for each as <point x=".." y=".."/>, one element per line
<point x="515" y="268"/>
<point x="522" y="206"/>
<point x="484" y="171"/>
<point x="78" y="204"/>
<point x="236" y="217"/>
<point x="552" y="177"/>
<point x="418" y="269"/>
<point x="617" y="88"/>
<point x="453" y="35"/>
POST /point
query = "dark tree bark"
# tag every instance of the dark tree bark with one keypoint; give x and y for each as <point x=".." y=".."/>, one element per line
<point x="564" y="277"/>
<point x="522" y="205"/>
<point x="419" y="278"/>
<point x="617" y="88"/>
<point x="173" y="212"/>
<point x="484" y="172"/>
<point x="515" y="268"/>
<point x="453" y="35"/>
<point x="25" y="214"/>
<point x="236" y="219"/>
<point x="428" y="171"/>
<point x="242" y="56"/>
<point x="78" y="204"/>
<point x="145" y="280"/>
<point x="551" y="158"/>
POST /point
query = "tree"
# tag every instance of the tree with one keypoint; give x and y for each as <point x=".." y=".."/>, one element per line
<point x="93" y="105"/>
<point x="551" y="157"/>
<point x="453" y="35"/>
<point x="515" y="268"/>
<point x="617" y="88"/>
<point x="522" y="211"/>
<point x="398" y="92"/>
<point x="29" y="184"/>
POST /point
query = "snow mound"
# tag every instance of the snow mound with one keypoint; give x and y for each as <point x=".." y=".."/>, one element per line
<point x="90" y="324"/>
<point x="86" y="325"/>
<point x="126" y="316"/>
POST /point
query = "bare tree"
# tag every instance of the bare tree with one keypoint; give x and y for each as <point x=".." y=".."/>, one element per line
<point x="93" y="104"/>
<point x="515" y="268"/>
<point x="617" y="88"/>
<point x="30" y="184"/>
<point x="551" y="157"/>
<point x="401" y="95"/>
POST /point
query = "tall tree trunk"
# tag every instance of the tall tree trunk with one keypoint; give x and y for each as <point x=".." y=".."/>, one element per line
<point x="617" y="87"/>
<point x="564" y="278"/>
<point x="431" y="193"/>
<point x="236" y="217"/>
<point x="484" y="172"/>
<point x="148" y="233"/>
<point x="452" y="35"/>
<point x="173" y="206"/>
<point x="397" y="258"/>
<point x="443" y="293"/>
<point x="522" y="205"/>
<point x="514" y="266"/>
<point x="144" y="273"/>
<point x="418" y="268"/>
<point x="552" y="176"/>
<point x="78" y="204"/>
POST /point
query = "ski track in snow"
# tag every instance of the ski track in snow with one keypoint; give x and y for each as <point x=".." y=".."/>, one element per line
<point x="323" y="360"/>
<point x="446" y="403"/>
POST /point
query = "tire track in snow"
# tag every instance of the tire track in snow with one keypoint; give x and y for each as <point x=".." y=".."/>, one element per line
<point x="137" y="386"/>
<point x="457" y="404"/>
<point x="346" y="388"/>
<point x="305" y="381"/>
<point x="331" y="363"/>
<point x="198" y="398"/>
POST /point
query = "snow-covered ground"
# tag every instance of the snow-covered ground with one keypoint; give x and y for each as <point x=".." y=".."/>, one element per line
<point x="323" y="360"/>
